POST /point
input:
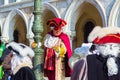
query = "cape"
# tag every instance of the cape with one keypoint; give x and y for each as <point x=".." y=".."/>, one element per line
<point x="68" y="54"/>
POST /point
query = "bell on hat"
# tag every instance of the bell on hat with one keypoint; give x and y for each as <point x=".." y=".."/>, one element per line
<point x="56" y="23"/>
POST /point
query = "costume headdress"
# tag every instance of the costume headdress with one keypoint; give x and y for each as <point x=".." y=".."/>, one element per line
<point x="107" y="35"/>
<point x="101" y="35"/>
<point x="22" y="55"/>
<point x="56" y="23"/>
<point x="20" y="49"/>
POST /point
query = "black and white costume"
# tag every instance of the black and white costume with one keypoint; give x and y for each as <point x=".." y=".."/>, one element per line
<point x="21" y="61"/>
<point x="106" y="65"/>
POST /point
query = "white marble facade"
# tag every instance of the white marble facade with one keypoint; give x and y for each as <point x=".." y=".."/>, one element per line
<point x="71" y="10"/>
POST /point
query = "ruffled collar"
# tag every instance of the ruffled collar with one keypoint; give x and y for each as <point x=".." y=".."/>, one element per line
<point x="20" y="66"/>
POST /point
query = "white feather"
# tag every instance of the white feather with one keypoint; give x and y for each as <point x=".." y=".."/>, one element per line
<point x="27" y="51"/>
<point x="94" y="33"/>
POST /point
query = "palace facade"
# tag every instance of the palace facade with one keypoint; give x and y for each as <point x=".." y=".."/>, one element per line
<point x="16" y="18"/>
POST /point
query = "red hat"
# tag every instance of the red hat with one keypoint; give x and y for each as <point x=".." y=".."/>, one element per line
<point x="105" y="35"/>
<point x="56" y="22"/>
<point x="111" y="38"/>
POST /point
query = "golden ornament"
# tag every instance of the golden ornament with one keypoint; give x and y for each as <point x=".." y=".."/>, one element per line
<point x="34" y="45"/>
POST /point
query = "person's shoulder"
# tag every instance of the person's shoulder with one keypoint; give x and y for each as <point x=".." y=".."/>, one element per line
<point x="25" y="69"/>
<point x="64" y="34"/>
<point x="27" y="72"/>
<point x="91" y="56"/>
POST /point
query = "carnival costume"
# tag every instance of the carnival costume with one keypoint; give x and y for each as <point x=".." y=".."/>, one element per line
<point x="57" y="52"/>
<point x="106" y="65"/>
<point x="21" y="61"/>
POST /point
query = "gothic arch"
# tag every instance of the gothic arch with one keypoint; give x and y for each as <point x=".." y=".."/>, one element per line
<point x="7" y="30"/>
<point x="47" y="7"/>
<point x="72" y="15"/>
<point x="52" y="8"/>
<point x="114" y="19"/>
<point x="76" y="16"/>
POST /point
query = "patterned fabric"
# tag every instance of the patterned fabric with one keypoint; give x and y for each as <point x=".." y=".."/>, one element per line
<point x="60" y="69"/>
<point x="49" y="59"/>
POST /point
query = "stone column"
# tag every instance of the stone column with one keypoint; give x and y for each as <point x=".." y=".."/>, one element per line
<point x="37" y="30"/>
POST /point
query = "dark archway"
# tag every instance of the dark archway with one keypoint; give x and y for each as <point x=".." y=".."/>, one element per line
<point x="87" y="29"/>
<point x="16" y="36"/>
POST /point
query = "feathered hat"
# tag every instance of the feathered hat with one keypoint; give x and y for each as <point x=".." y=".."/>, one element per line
<point x="56" y="23"/>
<point x="103" y="35"/>
<point x="20" y="49"/>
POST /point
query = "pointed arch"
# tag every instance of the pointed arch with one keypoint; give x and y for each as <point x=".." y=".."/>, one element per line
<point x="72" y="15"/>
<point x="7" y="30"/>
<point x="46" y="6"/>
<point x="52" y="8"/>
<point x="114" y="20"/>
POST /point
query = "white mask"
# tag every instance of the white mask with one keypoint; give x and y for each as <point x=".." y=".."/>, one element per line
<point x="112" y="49"/>
<point x="109" y="49"/>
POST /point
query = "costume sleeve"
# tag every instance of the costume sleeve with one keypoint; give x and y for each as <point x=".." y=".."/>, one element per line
<point x="80" y="70"/>
<point x="73" y="59"/>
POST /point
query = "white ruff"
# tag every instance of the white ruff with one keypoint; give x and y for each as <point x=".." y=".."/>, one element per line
<point x="50" y="41"/>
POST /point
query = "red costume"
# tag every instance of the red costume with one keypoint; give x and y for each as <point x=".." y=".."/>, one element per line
<point x="49" y="60"/>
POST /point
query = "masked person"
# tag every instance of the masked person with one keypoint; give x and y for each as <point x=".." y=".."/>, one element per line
<point x="57" y="51"/>
<point x="6" y="64"/>
<point x="106" y="65"/>
<point x="17" y="58"/>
